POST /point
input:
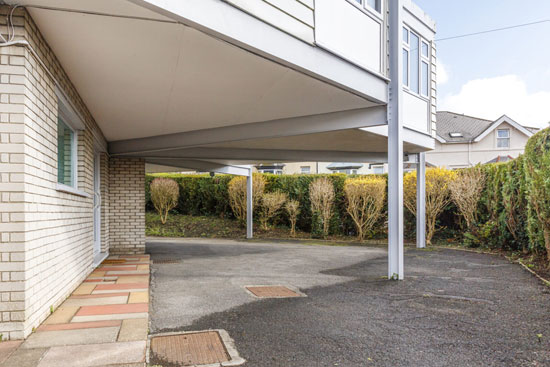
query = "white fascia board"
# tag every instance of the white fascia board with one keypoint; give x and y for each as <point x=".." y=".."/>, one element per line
<point x="413" y="137"/>
<point x="414" y="10"/>
<point x="334" y="121"/>
<point x="279" y="155"/>
<point x="230" y="24"/>
<point x="202" y="166"/>
<point x="500" y="121"/>
<point x="440" y="139"/>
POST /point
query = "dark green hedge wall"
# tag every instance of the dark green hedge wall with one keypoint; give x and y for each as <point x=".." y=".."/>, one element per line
<point x="506" y="218"/>
<point x="205" y="195"/>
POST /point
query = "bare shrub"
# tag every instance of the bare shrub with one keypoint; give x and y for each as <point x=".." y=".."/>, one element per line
<point x="466" y="192"/>
<point x="365" y="198"/>
<point x="237" y="195"/>
<point x="321" y="195"/>
<point x="164" y="195"/>
<point x="292" y="208"/>
<point x="438" y="195"/>
<point x="272" y="203"/>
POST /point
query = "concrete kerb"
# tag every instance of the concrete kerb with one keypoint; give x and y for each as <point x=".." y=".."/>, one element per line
<point x="229" y="344"/>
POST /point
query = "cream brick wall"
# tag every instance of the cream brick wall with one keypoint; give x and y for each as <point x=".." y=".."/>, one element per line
<point x="46" y="236"/>
<point x="127" y="206"/>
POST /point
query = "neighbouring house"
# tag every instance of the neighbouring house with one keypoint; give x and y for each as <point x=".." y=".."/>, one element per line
<point x="350" y="168"/>
<point x="464" y="141"/>
<point x="94" y="94"/>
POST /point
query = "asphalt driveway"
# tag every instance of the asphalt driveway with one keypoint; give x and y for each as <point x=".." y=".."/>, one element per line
<point x="455" y="308"/>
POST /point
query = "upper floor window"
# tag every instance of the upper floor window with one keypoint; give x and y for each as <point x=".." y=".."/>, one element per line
<point x="66" y="154"/>
<point x="416" y="63"/>
<point x="373" y="4"/>
<point x="503" y="138"/>
<point x="305" y="170"/>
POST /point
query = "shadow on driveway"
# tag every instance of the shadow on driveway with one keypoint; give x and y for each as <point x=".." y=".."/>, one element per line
<point x="454" y="308"/>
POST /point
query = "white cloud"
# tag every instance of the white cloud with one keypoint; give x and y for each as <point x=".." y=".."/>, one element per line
<point x="493" y="97"/>
<point x="442" y="74"/>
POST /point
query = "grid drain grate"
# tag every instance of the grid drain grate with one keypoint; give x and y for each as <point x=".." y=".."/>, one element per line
<point x="166" y="261"/>
<point x="188" y="349"/>
<point x="275" y="291"/>
<point x="114" y="261"/>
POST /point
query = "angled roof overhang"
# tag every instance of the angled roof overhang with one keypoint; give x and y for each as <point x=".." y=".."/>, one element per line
<point x="500" y="121"/>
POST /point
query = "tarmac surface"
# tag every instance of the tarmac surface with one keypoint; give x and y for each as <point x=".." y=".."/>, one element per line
<point x="454" y="308"/>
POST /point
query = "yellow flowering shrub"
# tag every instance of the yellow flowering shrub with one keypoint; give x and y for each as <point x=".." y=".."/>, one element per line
<point x="365" y="198"/>
<point x="438" y="195"/>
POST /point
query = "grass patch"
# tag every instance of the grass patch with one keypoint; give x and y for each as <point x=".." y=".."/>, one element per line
<point x="214" y="227"/>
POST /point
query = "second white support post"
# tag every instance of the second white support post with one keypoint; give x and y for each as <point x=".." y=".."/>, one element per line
<point x="421" y="201"/>
<point x="249" y="205"/>
<point x="395" y="144"/>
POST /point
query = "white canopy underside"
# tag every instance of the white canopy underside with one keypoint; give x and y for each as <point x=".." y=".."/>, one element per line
<point x="153" y="76"/>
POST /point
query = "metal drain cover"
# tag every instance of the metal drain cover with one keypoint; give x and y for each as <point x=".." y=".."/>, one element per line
<point x="114" y="261"/>
<point x="166" y="261"/>
<point x="272" y="291"/>
<point x="205" y="348"/>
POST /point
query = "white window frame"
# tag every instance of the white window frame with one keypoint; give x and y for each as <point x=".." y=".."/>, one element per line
<point x="421" y="59"/>
<point x="509" y="138"/>
<point x="304" y="168"/>
<point x="74" y="153"/>
<point x="72" y="119"/>
<point x="362" y="4"/>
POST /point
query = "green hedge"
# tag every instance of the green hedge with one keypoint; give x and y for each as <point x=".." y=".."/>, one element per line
<point x="206" y="195"/>
<point x="507" y="215"/>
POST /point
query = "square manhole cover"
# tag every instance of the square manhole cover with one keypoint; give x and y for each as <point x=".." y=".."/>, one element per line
<point x="272" y="291"/>
<point x="188" y="349"/>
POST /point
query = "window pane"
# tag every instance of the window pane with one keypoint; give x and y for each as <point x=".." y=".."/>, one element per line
<point x="503" y="143"/>
<point x="406" y="35"/>
<point x="425" y="49"/>
<point x="375" y="4"/>
<point x="425" y="78"/>
<point x="414" y="62"/>
<point x="503" y="133"/>
<point x="64" y="153"/>
<point x="405" y="67"/>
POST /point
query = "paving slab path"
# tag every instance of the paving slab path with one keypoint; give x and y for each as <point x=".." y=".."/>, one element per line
<point x="103" y="323"/>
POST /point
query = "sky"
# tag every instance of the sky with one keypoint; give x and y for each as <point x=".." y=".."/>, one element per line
<point x="489" y="75"/>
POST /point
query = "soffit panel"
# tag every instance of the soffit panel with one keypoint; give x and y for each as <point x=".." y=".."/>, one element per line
<point x="143" y="78"/>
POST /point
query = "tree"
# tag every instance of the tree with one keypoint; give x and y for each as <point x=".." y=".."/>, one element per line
<point x="271" y="204"/>
<point x="437" y="195"/>
<point x="365" y="197"/>
<point x="164" y="195"/>
<point x="237" y="195"/>
<point x="466" y="190"/>
<point x="321" y="195"/>
<point x="293" y="210"/>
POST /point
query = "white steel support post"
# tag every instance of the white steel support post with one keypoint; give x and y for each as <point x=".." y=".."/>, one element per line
<point x="421" y="201"/>
<point x="395" y="144"/>
<point x="249" y="205"/>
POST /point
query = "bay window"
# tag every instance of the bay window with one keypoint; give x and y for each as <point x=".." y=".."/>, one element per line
<point x="416" y="63"/>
